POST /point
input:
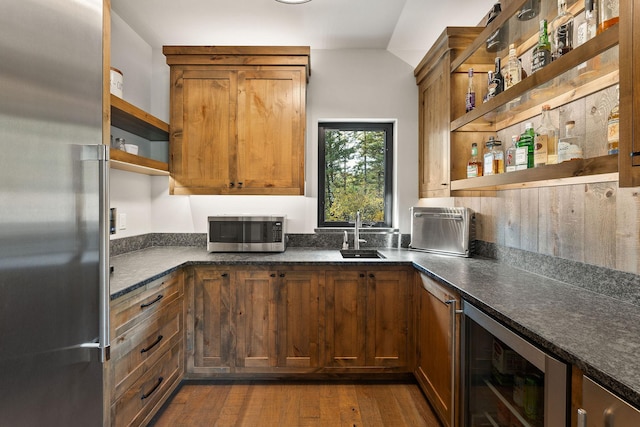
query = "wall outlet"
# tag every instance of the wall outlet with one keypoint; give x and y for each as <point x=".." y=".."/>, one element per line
<point x="122" y="221"/>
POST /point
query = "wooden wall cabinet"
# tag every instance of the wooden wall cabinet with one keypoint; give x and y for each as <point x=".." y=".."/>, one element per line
<point x="437" y="344"/>
<point x="238" y="119"/>
<point x="435" y="103"/>
<point x="608" y="59"/>
<point x="367" y="318"/>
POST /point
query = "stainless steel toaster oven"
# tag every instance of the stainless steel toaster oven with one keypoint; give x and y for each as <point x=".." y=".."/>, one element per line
<point x="448" y="231"/>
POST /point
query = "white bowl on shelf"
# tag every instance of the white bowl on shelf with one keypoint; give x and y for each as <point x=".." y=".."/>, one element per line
<point x="131" y="148"/>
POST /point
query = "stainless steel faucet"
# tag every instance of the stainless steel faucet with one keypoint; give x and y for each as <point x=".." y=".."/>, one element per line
<point x="356" y="232"/>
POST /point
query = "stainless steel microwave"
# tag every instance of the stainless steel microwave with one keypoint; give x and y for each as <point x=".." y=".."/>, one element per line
<point x="246" y="233"/>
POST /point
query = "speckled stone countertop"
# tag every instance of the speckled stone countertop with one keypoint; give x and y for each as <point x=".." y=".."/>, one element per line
<point x="597" y="333"/>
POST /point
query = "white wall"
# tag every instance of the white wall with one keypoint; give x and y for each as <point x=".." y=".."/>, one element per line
<point x="344" y="84"/>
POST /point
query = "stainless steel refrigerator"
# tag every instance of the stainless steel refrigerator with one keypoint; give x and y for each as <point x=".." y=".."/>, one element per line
<point x="53" y="199"/>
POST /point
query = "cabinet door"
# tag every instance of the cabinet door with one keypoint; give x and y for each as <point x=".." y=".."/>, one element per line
<point x="345" y="317"/>
<point x="271" y="111"/>
<point x="298" y="321"/>
<point x="210" y="338"/>
<point x="203" y="130"/>
<point x="387" y="318"/>
<point x="435" y="337"/>
<point x="434" y="133"/>
<point x="255" y="316"/>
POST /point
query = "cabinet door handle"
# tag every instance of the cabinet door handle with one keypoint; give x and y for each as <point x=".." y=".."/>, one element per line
<point x="155" y="387"/>
<point x="282" y="275"/>
<point x="273" y="275"/>
<point x="582" y="418"/>
<point x="361" y="274"/>
<point x="372" y="276"/>
<point x="158" y="298"/>
<point x="231" y="184"/>
<point x="240" y="184"/>
<point x="155" y="343"/>
<point x="225" y="274"/>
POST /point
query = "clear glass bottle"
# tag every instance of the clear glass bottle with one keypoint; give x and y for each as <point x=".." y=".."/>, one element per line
<point x="498" y="157"/>
<point x="570" y="146"/>
<point x="496" y="42"/>
<point x="542" y="52"/>
<point x="525" y="147"/>
<point x="513" y="70"/>
<point x="471" y="93"/>
<point x="561" y="29"/>
<point x="608" y="14"/>
<point x="488" y="95"/>
<point x="529" y="10"/>
<point x="474" y="165"/>
<point x="587" y="30"/>
<point x="510" y="157"/>
<point x="546" y="140"/>
<point x="613" y="126"/>
<point x="488" y="157"/>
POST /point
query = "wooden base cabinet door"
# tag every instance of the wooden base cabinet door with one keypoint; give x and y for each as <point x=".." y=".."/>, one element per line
<point x="437" y="334"/>
<point x="298" y="322"/>
<point x="387" y="318"/>
<point x="345" y="318"/>
<point x="210" y="337"/>
<point x="255" y="319"/>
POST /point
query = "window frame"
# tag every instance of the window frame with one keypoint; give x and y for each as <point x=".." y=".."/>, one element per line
<point x="388" y="128"/>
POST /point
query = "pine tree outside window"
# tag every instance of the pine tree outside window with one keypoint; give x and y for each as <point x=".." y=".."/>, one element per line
<point x="355" y="173"/>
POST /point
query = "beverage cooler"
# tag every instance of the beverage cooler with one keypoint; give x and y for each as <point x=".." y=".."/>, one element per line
<point x="507" y="381"/>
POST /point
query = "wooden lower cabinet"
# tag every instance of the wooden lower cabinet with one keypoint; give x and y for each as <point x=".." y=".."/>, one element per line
<point x="252" y="320"/>
<point x="367" y="318"/>
<point x="147" y="355"/>
<point x="437" y="340"/>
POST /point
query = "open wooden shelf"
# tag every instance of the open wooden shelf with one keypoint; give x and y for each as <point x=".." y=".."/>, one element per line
<point x="597" y="169"/>
<point x="132" y="119"/>
<point x="552" y="85"/>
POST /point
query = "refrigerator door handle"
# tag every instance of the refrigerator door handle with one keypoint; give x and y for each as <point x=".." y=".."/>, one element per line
<point x="105" y="295"/>
<point x="101" y="154"/>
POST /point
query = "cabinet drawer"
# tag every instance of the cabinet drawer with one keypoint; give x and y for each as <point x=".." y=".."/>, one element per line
<point x="143" y="345"/>
<point x="147" y="392"/>
<point x="142" y="303"/>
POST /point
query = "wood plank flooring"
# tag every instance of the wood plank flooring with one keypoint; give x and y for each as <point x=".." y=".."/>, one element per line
<point x="297" y="404"/>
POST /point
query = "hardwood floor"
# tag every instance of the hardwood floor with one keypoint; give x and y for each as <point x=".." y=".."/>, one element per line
<point x="299" y="404"/>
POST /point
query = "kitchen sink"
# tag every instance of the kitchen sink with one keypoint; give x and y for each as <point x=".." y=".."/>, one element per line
<point x="360" y="253"/>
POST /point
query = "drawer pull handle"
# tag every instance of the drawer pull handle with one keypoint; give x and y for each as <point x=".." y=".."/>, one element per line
<point x="152" y="302"/>
<point x="156" y="342"/>
<point x="155" y="387"/>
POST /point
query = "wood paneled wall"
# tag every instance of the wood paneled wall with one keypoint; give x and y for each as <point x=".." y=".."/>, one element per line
<point x="596" y="223"/>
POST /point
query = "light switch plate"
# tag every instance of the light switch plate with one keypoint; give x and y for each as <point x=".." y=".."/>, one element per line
<point x="122" y="221"/>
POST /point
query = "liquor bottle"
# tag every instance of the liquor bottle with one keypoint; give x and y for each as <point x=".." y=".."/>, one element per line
<point x="496" y="84"/>
<point x="510" y="157"/>
<point x="496" y="41"/>
<point x="587" y="30"/>
<point x="570" y="146"/>
<point x="542" y="52"/>
<point x="474" y="165"/>
<point x="471" y="93"/>
<point x="488" y="157"/>
<point x="488" y="95"/>
<point x="525" y="147"/>
<point x="608" y="14"/>
<point x="498" y="157"/>
<point x="529" y="10"/>
<point x="613" y="126"/>
<point x="561" y="31"/>
<point x="513" y="70"/>
<point x="546" y="140"/>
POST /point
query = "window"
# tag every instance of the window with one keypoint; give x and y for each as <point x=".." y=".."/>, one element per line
<point x="355" y="173"/>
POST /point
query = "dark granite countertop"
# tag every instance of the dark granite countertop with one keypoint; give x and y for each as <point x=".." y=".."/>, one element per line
<point x="597" y="333"/>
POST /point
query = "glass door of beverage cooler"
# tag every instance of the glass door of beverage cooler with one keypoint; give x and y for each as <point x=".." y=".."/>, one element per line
<point x="508" y="382"/>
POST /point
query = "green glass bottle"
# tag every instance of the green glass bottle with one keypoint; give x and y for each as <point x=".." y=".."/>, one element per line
<point x="542" y="52"/>
<point x="525" y="148"/>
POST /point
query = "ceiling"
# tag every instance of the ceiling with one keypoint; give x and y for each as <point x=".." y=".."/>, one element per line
<point x="407" y="28"/>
